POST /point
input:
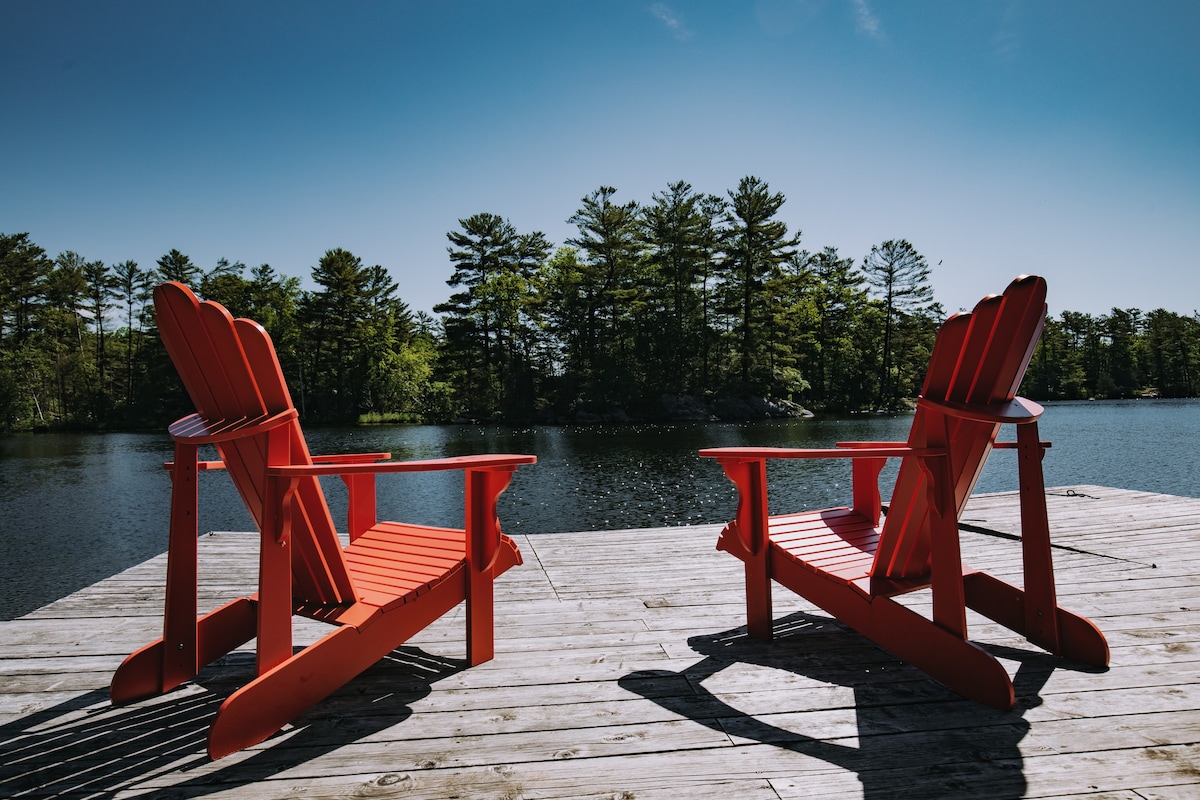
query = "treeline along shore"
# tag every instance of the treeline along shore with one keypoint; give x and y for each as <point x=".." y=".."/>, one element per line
<point x="688" y="306"/>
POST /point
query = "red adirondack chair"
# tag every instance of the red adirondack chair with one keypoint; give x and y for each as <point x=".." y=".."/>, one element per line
<point x="847" y="563"/>
<point x="390" y="581"/>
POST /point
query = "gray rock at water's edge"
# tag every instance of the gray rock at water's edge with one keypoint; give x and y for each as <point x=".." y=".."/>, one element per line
<point x="684" y="407"/>
<point x="729" y="408"/>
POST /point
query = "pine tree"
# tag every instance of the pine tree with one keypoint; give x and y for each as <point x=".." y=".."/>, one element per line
<point x="840" y="301"/>
<point x="489" y="339"/>
<point x="676" y="232"/>
<point x="900" y="277"/>
<point x="175" y="266"/>
<point x="756" y="245"/>
<point x="608" y="240"/>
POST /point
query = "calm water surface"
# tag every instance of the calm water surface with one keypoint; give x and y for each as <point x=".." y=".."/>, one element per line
<point x="75" y="509"/>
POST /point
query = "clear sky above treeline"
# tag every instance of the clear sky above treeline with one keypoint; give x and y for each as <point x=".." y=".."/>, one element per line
<point x="998" y="137"/>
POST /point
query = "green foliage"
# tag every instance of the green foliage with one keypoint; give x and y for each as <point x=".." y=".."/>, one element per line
<point x="352" y="332"/>
<point x="175" y="266"/>
<point x="679" y="238"/>
<point x="840" y="365"/>
<point x="899" y="276"/>
<point x="1119" y="355"/>
<point x="608" y="278"/>
<point x="756" y="246"/>
<point x="492" y="340"/>
<point x="689" y="294"/>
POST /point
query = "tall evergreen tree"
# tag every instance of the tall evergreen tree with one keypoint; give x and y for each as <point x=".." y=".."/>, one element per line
<point x="483" y="250"/>
<point x="900" y="277"/>
<point x="63" y="327"/>
<point x="1082" y="335"/>
<point x="756" y="245"/>
<point x="525" y="336"/>
<point x="101" y="291"/>
<point x="1124" y="370"/>
<point x="175" y="266"/>
<point x="560" y="305"/>
<point x="840" y="300"/>
<point x="677" y="232"/>
<point x="713" y="208"/>
<point x="225" y="284"/>
<point x="334" y="317"/>
<point x="1054" y="372"/>
<point x="271" y="300"/>
<point x="133" y="287"/>
<point x="24" y="270"/>
<point x="66" y="291"/>
<point x="1172" y="344"/>
<point x="488" y="340"/>
<point x="609" y="241"/>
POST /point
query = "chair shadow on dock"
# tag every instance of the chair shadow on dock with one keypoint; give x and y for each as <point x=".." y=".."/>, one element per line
<point x="906" y="726"/>
<point x="86" y="747"/>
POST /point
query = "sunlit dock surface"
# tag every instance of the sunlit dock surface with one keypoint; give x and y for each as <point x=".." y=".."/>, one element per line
<point x="622" y="671"/>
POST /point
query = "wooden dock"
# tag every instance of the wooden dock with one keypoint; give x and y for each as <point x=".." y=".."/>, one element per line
<point x="622" y="671"/>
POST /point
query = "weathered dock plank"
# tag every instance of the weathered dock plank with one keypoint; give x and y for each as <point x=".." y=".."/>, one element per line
<point x="622" y="671"/>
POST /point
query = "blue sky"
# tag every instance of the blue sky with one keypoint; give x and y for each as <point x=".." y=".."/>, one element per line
<point x="1061" y="138"/>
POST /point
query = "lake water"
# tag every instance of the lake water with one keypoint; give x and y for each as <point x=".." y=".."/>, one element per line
<point x="76" y="508"/>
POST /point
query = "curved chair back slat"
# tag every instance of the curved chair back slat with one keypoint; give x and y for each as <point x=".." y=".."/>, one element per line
<point x="230" y="370"/>
<point x="978" y="357"/>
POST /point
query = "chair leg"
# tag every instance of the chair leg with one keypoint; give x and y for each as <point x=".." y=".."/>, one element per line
<point x="142" y="674"/>
<point x="1078" y="637"/>
<point x="748" y="538"/>
<point x="279" y="695"/>
<point x="181" y="656"/>
<point x="1034" y="612"/>
<point x="946" y="657"/>
<point x="481" y="638"/>
<point x="758" y="596"/>
<point x="954" y="662"/>
<point x="1041" y="623"/>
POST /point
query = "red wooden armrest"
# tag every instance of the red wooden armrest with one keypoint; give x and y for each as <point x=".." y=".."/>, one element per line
<point x="499" y="461"/>
<point x="200" y="465"/>
<point x="1018" y="410"/>
<point x="351" y="458"/>
<point x="196" y="429"/>
<point x="870" y="450"/>
<point x="746" y="468"/>
<point x="348" y="458"/>
<point x="862" y="445"/>
<point x="487" y="477"/>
